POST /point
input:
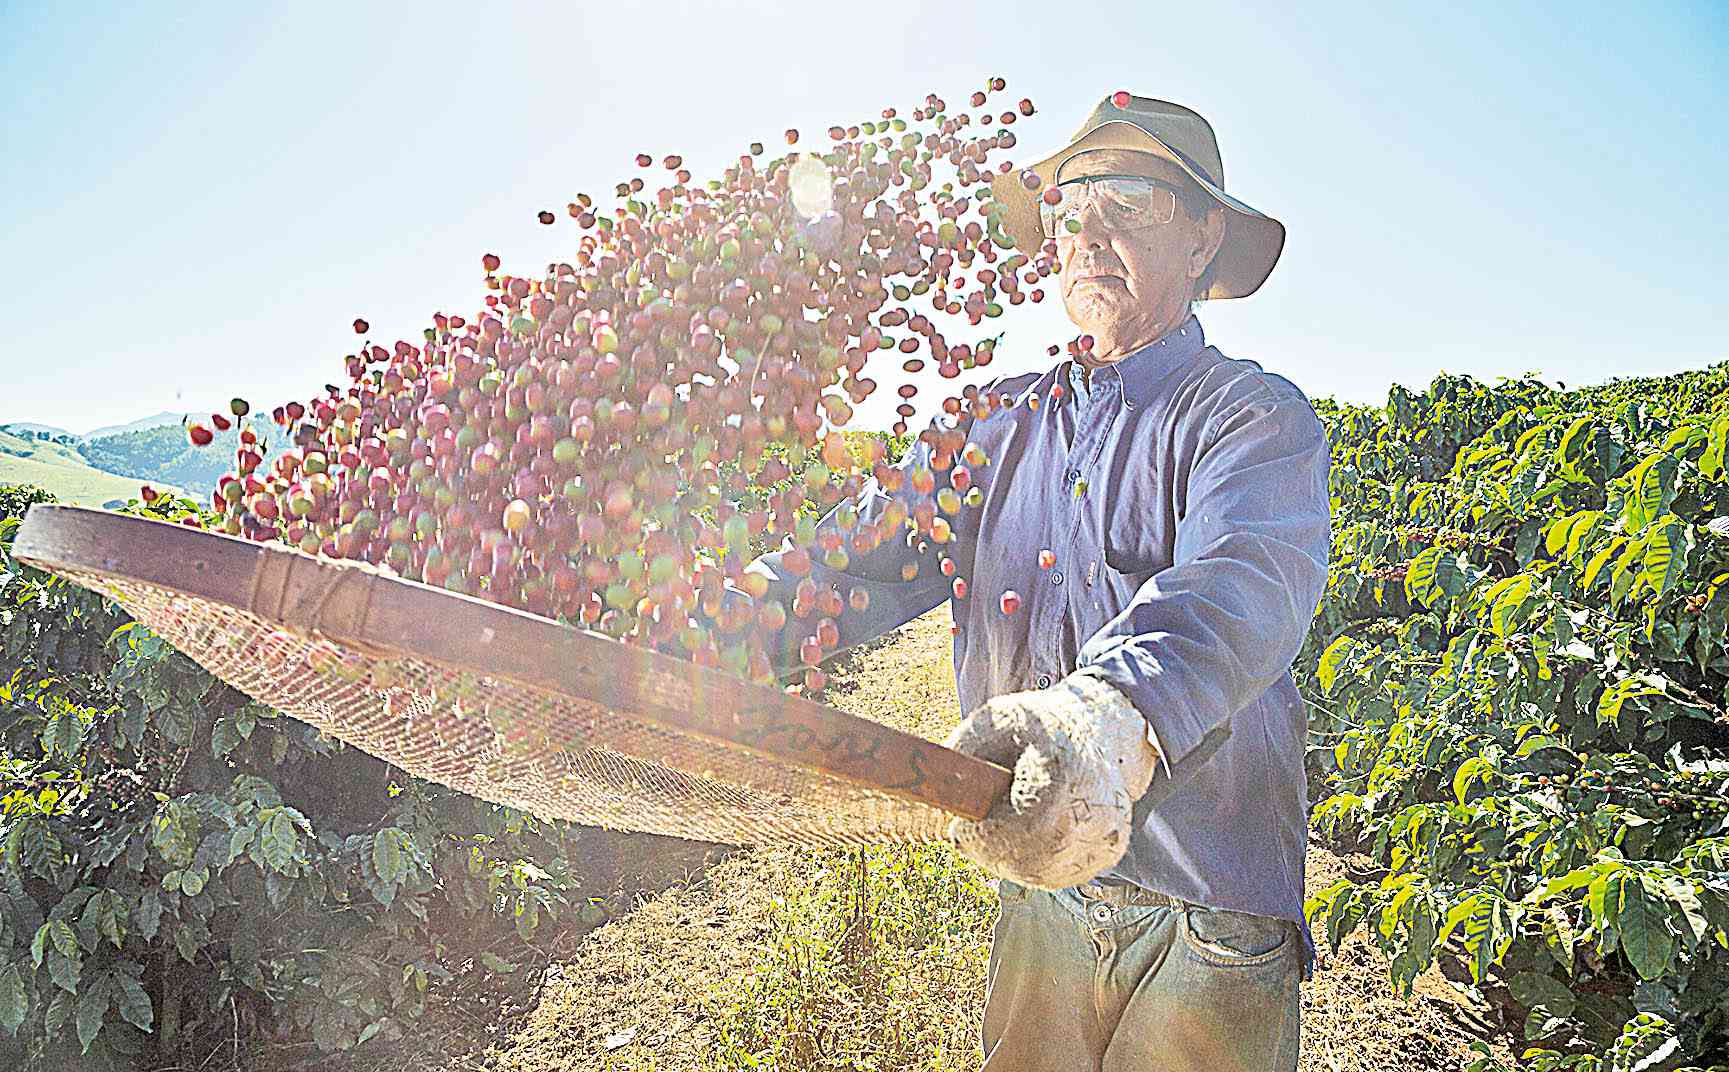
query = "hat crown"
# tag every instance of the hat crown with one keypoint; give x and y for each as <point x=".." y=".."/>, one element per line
<point x="1180" y="129"/>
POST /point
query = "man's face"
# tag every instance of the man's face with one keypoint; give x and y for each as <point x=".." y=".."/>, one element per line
<point x="1121" y="285"/>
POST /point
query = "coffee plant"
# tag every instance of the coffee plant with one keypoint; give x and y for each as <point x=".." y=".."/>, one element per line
<point x="1518" y="679"/>
<point x="179" y="865"/>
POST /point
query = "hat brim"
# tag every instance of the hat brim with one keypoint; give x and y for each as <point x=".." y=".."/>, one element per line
<point x="1252" y="241"/>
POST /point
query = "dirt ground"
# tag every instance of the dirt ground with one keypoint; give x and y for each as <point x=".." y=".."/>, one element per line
<point x="696" y="972"/>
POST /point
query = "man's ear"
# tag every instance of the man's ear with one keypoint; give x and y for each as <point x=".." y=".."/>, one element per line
<point x="1210" y="234"/>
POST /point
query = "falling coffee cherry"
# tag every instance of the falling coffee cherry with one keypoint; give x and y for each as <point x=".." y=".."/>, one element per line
<point x="960" y="588"/>
<point x="361" y="327"/>
<point x="545" y="217"/>
<point x="1011" y="601"/>
<point x="1120" y="98"/>
<point x="200" y="435"/>
<point x="566" y="515"/>
<point x="1047" y="558"/>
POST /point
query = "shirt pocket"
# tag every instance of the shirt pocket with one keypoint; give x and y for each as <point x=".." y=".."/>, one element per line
<point x="1138" y="524"/>
<point x="1136" y="550"/>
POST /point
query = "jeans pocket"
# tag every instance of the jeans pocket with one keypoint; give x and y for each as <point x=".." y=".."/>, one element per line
<point x="1224" y="938"/>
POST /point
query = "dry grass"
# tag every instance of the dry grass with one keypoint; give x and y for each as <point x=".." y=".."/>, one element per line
<point x="794" y="960"/>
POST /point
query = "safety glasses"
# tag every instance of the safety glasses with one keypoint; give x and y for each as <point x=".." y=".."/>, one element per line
<point x="1124" y="203"/>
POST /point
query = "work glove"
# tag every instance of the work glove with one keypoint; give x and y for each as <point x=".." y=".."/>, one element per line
<point x="1081" y="758"/>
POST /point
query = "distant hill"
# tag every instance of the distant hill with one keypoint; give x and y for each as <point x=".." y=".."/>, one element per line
<point x="62" y="470"/>
<point x="160" y="419"/>
<point x="161" y="454"/>
<point x="111" y="462"/>
<point x="33" y="429"/>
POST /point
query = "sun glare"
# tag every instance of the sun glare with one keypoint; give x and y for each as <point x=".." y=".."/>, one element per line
<point x="812" y="187"/>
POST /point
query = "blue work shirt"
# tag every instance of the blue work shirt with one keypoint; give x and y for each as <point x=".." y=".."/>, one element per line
<point x="1184" y="495"/>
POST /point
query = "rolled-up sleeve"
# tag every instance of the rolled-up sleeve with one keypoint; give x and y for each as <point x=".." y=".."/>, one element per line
<point x="1206" y="636"/>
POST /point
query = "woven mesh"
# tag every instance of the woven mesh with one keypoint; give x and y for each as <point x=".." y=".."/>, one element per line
<point x="548" y="754"/>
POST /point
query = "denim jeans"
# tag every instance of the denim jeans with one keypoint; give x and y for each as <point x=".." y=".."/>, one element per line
<point x="1078" y="984"/>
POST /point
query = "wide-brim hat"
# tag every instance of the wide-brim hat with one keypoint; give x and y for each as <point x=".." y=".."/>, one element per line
<point x="1252" y="240"/>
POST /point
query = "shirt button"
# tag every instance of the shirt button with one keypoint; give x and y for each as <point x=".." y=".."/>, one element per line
<point x="1101" y="913"/>
<point x="1044" y="681"/>
<point x="1073" y="475"/>
<point x="1056" y="576"/>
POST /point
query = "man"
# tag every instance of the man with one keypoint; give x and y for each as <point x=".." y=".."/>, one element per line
<point x="1164" y="519"/>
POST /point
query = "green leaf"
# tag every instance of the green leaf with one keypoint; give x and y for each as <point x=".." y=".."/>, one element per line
<point x="1421" y="584"/>
<point x="1711" y="462"/>
<point x="92" y="1007"/>
<point x="1569" y="450"/>
<point x="1559" y="936"/>
<point x="1508" y="602"/>
<point x="1566" y="535"/>
<point x="279" y="841"/>
<point x="225" y="737"/>
<point x="1615" y="697"/>
<point x="1651" y="488"/>
<point x="1678" y="890"/>
<point x="63" y="732"/>
<point x="388" y="860"/>
<point x="134" y="1003"/>
<point x="1327" y="670"/>
<point x="1665" y="561"/>
<point x="59" y="1012"/>
<point x="147" y="916"/>
<point x="1594" y="567"/>
<point x="111" y="916"/>
<point x="65" y="940"/>
<point x="1456" y="915"/>
<point x="64" y="971"/>
<point x="14" y="1000"/>
<point x="496" y="963"/>
<point x="1473" y="769"/>
<point x="39" y="945"/>
<point x="1535" y="990"/>
<point x="192" y="880"/>
<point x="1644" y="938"/>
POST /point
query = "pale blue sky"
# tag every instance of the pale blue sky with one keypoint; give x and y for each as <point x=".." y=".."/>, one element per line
<point x="196" y="205"/>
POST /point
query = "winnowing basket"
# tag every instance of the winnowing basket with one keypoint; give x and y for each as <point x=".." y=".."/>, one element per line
<point x="511" y="707"/>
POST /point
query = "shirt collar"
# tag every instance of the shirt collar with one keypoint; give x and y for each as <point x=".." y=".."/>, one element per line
<point x="1141" y="372"/>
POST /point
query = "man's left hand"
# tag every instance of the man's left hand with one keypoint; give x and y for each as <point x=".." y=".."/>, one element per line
<point x="1081" y="758"/>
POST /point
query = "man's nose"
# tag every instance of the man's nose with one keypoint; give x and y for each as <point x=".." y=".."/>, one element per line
<point x="1093" y="233"/>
